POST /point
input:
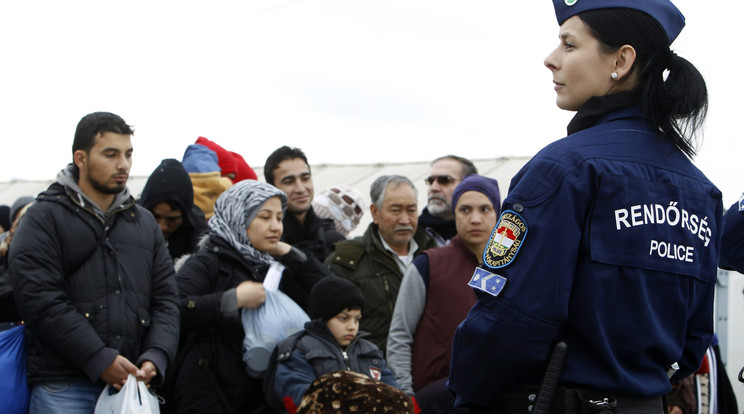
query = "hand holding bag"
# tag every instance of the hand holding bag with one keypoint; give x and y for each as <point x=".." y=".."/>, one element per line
<point x="275" y="320"/>
<point x="133" y="398"/>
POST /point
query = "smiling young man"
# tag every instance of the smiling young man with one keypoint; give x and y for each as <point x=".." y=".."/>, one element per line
<point x="288" y="170"/>
<point x="92" y="278"/>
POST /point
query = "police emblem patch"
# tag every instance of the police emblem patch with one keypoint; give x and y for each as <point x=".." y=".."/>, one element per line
<point x="505" y="240"/>
<point x="375" y="373"/>
<point x="487" y="282"/>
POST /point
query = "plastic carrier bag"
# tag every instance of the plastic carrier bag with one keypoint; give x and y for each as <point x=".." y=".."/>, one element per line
<point x="275" y="320"/>
<point x="14" y="392"/>
<point x="133" y="398"/>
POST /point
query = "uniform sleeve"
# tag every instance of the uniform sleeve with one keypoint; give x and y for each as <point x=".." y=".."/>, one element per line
<point x="293" y="377"/>
<point x="699" y="332"/>
<point x="506" y="338"/>
<point x="731" y="255"/>
<point x="409" y="307"/>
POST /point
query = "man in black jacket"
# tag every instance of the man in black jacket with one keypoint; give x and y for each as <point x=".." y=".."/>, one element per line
<point x="92" y="278"/>
<point x="287" y="169"/>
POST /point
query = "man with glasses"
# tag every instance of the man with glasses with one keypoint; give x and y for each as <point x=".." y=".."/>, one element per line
<point x="437" y="218"/>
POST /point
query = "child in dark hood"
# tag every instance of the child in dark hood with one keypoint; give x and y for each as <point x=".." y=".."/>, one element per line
<point x="169" y="196"/>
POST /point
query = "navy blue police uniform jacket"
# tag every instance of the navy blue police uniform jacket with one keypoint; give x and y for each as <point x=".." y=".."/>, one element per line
<point x="608" y="240"/>
<point x="732" y="239"/>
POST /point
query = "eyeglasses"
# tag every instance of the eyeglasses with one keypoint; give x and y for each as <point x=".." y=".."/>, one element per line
<point x="441" y="179"/>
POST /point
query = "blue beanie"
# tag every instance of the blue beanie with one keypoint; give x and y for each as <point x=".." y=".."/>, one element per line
<point x="200" y="159"/>
<point x="488" y="186"/>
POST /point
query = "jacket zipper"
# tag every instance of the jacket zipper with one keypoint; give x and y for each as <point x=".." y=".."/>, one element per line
<point x="346" y="360"/>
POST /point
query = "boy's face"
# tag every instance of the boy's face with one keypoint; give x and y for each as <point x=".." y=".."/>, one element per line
<point x="345" y="325"/>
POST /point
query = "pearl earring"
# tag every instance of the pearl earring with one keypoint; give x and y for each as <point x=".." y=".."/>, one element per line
<point x="613" y="75"/>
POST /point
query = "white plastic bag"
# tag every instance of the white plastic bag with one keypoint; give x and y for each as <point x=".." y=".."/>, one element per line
<point x="133" y="398"/>
<point x="277" y="319"/>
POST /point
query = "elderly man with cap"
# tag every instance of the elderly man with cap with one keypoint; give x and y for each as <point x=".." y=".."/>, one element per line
<point x="434" y="296"/>
<point x="599" y="279"/>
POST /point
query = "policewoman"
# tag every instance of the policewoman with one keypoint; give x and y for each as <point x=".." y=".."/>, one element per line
<point x="608" y="239"/>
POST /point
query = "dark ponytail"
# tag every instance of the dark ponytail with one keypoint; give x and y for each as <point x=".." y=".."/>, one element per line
<point x="674" y="95"/>
<point x="679" y="104"/>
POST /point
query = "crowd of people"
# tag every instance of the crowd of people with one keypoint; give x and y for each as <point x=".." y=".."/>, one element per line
<point x="456" y="307"/>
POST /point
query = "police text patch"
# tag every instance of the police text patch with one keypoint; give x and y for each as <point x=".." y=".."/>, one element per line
<point x="655" y="226"/>
<point x="487" y="282"/>
<point x="505" y="240"/>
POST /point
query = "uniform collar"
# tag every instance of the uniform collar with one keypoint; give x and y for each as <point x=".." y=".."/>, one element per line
<point x="597" y="107"/>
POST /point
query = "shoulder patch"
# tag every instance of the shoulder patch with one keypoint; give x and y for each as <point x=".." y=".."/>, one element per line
<point x="487" y="282"/>
<point x="506" y="239"/>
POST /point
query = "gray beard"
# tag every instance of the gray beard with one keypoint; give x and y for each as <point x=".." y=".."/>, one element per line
<point x="438" y="209"/>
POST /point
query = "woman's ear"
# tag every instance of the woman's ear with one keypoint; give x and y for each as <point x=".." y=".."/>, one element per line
<point x="625" y="58"/>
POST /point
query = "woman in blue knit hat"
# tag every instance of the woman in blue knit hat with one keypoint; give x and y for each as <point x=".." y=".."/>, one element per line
<point x="608" y="238"/>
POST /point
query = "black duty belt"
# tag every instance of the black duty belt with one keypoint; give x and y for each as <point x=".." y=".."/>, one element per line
<point x="574" y="401"/>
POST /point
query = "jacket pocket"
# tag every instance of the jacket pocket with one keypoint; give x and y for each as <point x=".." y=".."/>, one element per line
<point x="87" y="310"/>
<point x="143" y="318"/>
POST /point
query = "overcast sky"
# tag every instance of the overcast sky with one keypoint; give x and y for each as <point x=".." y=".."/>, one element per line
<point x="348" y="81"/>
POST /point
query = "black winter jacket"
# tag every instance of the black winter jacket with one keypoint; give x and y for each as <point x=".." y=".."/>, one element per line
<point x="315" y="236"/>
<point x="212" y="374"/>
<point x="89" y="289"/>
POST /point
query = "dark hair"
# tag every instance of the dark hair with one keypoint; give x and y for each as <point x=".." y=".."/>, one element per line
<point x="468" y="168"/>
<point x="281" y="154"/>
<point x="97" y="123"/>
<point x="677" y="105"/>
